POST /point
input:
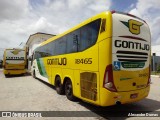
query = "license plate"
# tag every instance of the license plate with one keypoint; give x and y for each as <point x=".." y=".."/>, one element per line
<point x="133" y="96"/>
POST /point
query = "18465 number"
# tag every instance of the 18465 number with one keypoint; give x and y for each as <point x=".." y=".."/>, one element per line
<point x="83" y="61"/>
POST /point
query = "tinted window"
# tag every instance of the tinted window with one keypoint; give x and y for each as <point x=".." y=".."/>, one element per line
<point x="52" y="47"/>
<point x="71" y="43"/>
<point x="89" y="34"/>
<point x="75" y="41"/>
<point x="37" y="54"/>
<point x="61" y="46"/>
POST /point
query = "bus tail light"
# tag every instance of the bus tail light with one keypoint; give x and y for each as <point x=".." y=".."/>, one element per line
<point x="108" y="82"/>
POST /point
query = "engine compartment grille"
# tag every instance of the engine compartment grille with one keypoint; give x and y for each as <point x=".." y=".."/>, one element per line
<point x="132" y="56"/>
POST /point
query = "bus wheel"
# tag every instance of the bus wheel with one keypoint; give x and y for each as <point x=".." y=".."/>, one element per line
<point x="69" y="90"/>
<point x="6" y="75"/>
<point x="59" y="86"/>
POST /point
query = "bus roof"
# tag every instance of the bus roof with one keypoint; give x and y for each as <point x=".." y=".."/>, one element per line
<point x="14" y="49"/>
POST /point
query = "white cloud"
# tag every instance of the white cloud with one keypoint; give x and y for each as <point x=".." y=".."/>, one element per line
<point x="99" y="6"/>
<point x="135" y="12"/>
<point x="145" y="7"/>
<point x="155" y="29"/>
<point x="67" y="13"/>
<point x="131" y="6"/>
<point x="42" y="25"/>
<point x="13" y="10"/>
<point x="21" y="18"/>
<point x="149" y="10"/>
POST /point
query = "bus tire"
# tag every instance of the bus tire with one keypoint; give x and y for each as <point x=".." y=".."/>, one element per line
<point x="69" y="90"/>
<point x="59" y="86"/>
<point x="6" y="75"/>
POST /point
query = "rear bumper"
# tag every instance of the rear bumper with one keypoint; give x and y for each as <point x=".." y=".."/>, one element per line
<point x="14" y="72"/>
<point x="110" y="98"/>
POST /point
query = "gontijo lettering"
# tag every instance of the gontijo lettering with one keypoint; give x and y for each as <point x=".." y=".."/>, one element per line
<point x="131" y="45"/>
<point x="57" y="61"/>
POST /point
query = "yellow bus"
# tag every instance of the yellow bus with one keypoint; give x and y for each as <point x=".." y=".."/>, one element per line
<point x="105" y="60"/>
<point x="14" y="62"/>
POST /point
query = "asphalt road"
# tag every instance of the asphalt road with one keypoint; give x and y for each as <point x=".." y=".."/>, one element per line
<point x="24" y="93"/>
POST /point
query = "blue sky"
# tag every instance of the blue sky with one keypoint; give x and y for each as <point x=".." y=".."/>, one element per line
<point x="21" y="18"/>
<point x="123" y="5"/>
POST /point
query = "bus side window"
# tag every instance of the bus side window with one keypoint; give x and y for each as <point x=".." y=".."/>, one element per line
<point x="83" y="38"/>
<point x="89" y="34"/>
<point x="56" y="47"/>
<point x="76" y="40"/>
<point x="61" y="46"/>
<point x="52" y="48"/>
<point x="75" y="43"/>
<point x="72" y="42"/>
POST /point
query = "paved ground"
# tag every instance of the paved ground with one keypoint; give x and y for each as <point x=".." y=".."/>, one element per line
<point x="23" y="93"/>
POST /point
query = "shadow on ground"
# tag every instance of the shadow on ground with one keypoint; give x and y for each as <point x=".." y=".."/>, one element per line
<point x="21" y="75"/>
<point x="117" y="112"/>
<point x="120" y="112"/>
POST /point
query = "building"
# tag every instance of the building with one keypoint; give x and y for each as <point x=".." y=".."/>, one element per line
<point x="33" y="41"/>
<point x="155" y="60"/>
